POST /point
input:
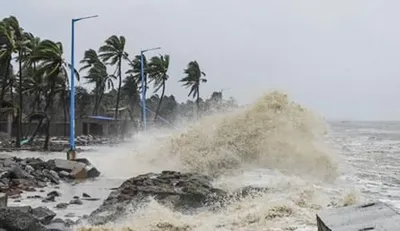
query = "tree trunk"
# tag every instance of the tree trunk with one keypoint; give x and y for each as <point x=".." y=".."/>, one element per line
<point x="36" y="131"/>
<point x="64" y="99"/>
<point x="46" y="141"/>
<point x="19" y="121"/>
<point x="119" y="89"/>
<point x="198" y="101"/>
<point x="159" y="102"/>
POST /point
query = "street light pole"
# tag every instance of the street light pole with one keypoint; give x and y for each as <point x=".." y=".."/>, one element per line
<point x="71" y="153"/>
<point x="143" y="85"/>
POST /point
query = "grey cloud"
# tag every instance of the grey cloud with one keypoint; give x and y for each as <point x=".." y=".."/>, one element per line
<point x="338" y="57"/>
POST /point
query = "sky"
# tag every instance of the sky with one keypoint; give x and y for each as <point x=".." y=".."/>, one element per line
<point x="340" y="58"/>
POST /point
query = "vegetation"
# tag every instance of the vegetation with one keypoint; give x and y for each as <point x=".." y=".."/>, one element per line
<point x="34" y="83"/>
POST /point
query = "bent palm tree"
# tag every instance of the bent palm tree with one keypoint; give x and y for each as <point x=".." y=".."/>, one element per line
<point x="52" y="65"/>
<point x="97" y="74"/>
<point x="158" y="68"/>
<point x="193" y="78"/>
<point x="112" y="53"/>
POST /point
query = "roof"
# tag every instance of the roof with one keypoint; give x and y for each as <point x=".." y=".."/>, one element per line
<point x="101" y="118"/>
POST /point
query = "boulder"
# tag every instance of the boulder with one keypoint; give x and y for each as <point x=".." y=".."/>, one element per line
<point x="182" y="191"/>
<point x="3" y="200"/>
<point x="77" y="169"/>
<point x="43" y="214"/>
<point x="18" y="220"/>
<point x="65" y="165"/>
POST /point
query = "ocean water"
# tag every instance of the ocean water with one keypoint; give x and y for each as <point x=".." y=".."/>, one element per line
<point x="308" y="164"/>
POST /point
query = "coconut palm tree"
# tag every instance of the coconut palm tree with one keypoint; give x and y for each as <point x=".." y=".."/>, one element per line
<point x="16" y="43"/>
<point x="158" y="68"/>
<point x="193" y="78"/>
<point x="52" y="65"/>
<point x="97" y="74"/>
<point x="112" y="53"/>
<point x="130" y="94"/>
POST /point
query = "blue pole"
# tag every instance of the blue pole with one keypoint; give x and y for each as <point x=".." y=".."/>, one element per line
<point x="143" y="85"/>
<point x="71" y="152"/>
<point x="72" y="92"/>
<point x="143" y="90"/>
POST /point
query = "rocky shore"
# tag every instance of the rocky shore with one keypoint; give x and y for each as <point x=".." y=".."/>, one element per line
<point x="183" y="192"/>
<point x="32" y="174"/>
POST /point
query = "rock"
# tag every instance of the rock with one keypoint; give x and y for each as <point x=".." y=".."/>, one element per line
<point x="91" y="171"/>
<point x="90" y="199"/>
<point x="34" y="197"/>
<point x="29" y="169"/>
<point x="43" y="214"/>
<point x="3" y="200"/>
<point x="63" y="174"/>
<point x="75" y="202"/>
<point x="17" y="220"/>
<point x="54" y="194"/>
<point x="53" y="178"/>
<point x="65" y="165"/>
<point x="85" y="195"/>
<point x="18" y="173"/>
<point x="182" y="191"/>
<point x="49" y="199"/>
<point x="62" y="206"/>
<point x="78" y="169"/>
<point x="76" y="197"/>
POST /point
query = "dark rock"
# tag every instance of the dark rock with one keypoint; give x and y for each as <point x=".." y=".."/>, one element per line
<point x="85" y="195"/>
<point x="182" y="191"/>
<point x="54" y="194"/>
<point x="76" y="197"/>
<point x="17" y="220"/>
<point x="90" y="199"/>
<point x="34" y="197"/>
<point x="17" y="201"/>
<point x="43" y="214"/>
<point x="75" y="202"/>
<point x="58" y="220"/>
<point x="62" y="206"/>
<point x="37" y="163"/>
<point x="91" y="171"/>
<point x="49" y="199"/>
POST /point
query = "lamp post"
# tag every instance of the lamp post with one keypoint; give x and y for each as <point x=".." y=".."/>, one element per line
<point x="71" y="153"/>
<point x="143" y="85"/>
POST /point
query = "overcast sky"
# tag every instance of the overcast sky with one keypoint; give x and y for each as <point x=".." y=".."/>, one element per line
<point x="339" y="57"/>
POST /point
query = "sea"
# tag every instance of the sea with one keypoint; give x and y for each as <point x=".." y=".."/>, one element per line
<point x="309" y="164"/>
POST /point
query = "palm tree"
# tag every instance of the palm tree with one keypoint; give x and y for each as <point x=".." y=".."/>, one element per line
<point x="193" y="78"/>
<point x="130" y="94"/>
<point x="112" y="53"/>
<point x="158" y="68"/>
<point x="16" y="43"/>
<point x="97" y="74"/>
<point x="52" y="65"/>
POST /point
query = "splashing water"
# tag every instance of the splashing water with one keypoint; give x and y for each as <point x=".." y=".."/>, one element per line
<point x="274" y="143"/>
